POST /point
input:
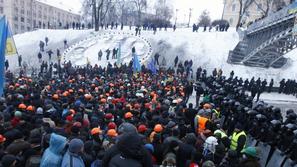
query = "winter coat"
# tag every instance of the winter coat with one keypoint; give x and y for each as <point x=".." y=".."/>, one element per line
<point x="18" y="146"/>
<point x="249" y="162"/>
<point x="124" y="153"/>
<point x="72" y="160"/>
<point x="52" y="157"/>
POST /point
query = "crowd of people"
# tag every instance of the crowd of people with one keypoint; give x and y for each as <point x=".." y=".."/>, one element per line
<point x="111" y="116"/>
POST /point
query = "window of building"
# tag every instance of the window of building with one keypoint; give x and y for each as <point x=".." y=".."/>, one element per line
<point x="1" y="1"/>
<point x="22" y="27"/>
<point x="233" y="7"/>
<point x="22" y="19"/>
<point x="22" y="3"/>
<point x="16" y="9"/>
<point x="22" y="11"/>
<point x="39" y="14"/>
<point x="16" y="18"/>
<point x="231" y="21"/>
<point x="16" y="26"/>
<point x="1" y="10"/>
<point x="28" y="12"/>
<point x="28" y="28"/>
<point x="28" y="20"/>
<point x="259" y="7"/>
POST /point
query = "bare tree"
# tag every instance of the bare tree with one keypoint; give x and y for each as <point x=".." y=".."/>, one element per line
<point x="204" y="19"/>
<point x="140" y="5"/>
<point x="99" y="10"/>
<point x="264" y="6"/>
<point x="243" y="8"/>
<point x="163" y="10"/>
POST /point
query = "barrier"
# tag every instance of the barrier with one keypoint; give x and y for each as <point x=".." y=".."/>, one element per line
<point x="265" y="150"/>
<point x="289" y="163"/>
<point x="277" y="159"/>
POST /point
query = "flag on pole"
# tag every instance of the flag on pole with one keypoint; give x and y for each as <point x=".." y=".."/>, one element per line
<point x="152" y="67"/>
<point x="119" y="55"/>
<point x="3" y="39"/>
<point x="136" y="63"/>
<point x="10" y="44"/>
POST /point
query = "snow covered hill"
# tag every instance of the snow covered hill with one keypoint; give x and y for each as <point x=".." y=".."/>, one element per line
<point x="207" y="49"/>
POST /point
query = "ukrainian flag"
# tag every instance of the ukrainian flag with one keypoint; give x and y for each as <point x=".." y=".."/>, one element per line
<point x="3" y="39"/>
<point x="10" y="44"/>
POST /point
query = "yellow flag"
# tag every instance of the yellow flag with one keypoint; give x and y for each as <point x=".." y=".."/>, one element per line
<point x="10" y="45"/>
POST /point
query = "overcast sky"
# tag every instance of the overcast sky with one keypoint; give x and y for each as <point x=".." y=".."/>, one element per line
<point x="215" y="7"/>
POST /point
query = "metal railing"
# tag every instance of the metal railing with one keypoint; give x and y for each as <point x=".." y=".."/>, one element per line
<point x="272" y="19"/>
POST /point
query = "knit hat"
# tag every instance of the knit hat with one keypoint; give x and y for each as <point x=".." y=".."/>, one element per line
<point x="2" y="139"/>
<point x="108" y="116"/>
<point x="111" y="125"/>
<point x="250" y="151"/>
<point x="142" y="128"/>
<point x="18" y="114"/>
<point x="149" y="147"/>
<point x="208" y="164"/>
<point x="76" y="145"/>
<point x="127" y="128"/>
<point x="39" y="111"/>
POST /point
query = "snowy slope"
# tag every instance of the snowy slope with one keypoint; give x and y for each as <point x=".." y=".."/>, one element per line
<point x="207" y="49"/>
<point x="28" y="44"/>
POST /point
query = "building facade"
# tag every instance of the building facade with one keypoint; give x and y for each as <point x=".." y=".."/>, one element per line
<point x="27" y="15"/>
<point x="232" y="7"/>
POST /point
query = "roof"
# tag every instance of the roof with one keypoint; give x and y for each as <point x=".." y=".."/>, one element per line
<point x="75" y="8"/>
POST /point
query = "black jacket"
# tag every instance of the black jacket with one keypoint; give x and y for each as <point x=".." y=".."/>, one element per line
<point x="124" y="153"/>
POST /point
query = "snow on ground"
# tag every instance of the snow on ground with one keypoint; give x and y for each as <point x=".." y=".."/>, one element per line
<point x="28" y="45"/>
<point x="207" y="49"/>
<point x="87" y="50"/>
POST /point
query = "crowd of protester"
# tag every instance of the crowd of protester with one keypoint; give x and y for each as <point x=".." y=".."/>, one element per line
<point x="111" y="116"/>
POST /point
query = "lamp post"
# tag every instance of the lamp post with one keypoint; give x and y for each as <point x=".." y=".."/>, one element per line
<point x="176" y="16"/>
<point x="190" y="15"/>
<point x="223" y="9"/>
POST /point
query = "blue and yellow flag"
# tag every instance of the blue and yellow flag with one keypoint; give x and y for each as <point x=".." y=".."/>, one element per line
<point x="10" y="44"/>
<point x="3" y="38"/>
<point x="136" y="63"/>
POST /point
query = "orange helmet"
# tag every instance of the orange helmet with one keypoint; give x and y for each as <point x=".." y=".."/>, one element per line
<point x="66" y="93"/>
<point x="112" y="133"/>
<point x="128" y="115"/>
<point x="103" y="100"/>
<point x="72" y="111"/>
<point x="88" y="96"/>
<point x="96" y="131"/>
<point x="158" y="128"/>
<point x="22" y="106"/>
<point x="30" y="108"/>
<point x="55" y="96"/>
<point x="206" y="106"/>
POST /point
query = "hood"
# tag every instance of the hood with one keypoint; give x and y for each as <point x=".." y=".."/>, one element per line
<point x="57" y="143"/>
<point x="128" y="150"/>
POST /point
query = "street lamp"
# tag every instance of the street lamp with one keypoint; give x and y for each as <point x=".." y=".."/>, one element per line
<point x="176" y="16"/>
<point x="190" y="15"/>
